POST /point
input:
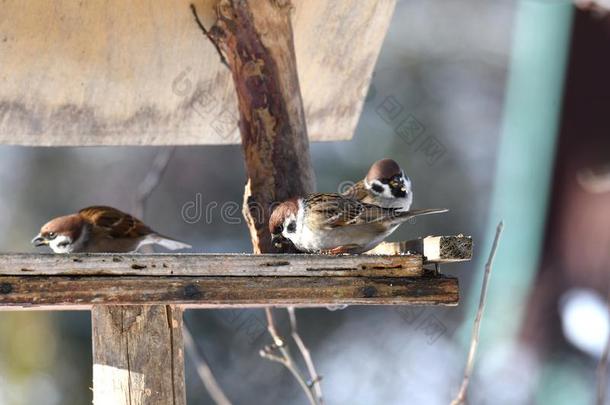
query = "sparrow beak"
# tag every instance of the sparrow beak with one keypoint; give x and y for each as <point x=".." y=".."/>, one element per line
<point x="278" y="240"/>
<point x="39" y="241"/>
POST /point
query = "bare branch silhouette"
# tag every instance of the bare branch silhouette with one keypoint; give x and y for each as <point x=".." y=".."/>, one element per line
<point x="203" y="369"/>
<point x="285" y="358"/>
<point x="314" y="378"/>
<point x="152" y="180"/>
<point x="209" y="35"/>
<point x="474" y="342"/>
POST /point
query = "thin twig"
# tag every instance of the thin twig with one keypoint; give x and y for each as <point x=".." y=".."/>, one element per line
<point x="461" y="396"/>
<point x="152" y="180"/>
<point x="204" y="370"/>
<point x="285" y="358"/>
<point x="602" y="368"/>
<point x="314" y="378"/>
<point x="223" y="60"/>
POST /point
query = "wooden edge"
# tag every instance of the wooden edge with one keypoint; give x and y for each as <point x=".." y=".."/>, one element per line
<point x="40" y="292"/>
<point x="155" y="265"/>
<point x="435" y="249"/>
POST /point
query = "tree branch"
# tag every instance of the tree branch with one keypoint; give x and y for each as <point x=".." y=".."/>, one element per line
<point x="209" y="35"/>
<point x="256" y="37"/>
<point x="285" y="358"/>
<point x="203" y="369"/>
<point x="461" y="396"/>
<point x="152" y="180"/>
<point x="314" y="378"/>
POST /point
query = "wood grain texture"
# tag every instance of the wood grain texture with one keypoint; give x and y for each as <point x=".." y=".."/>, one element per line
<point x="434" y="249"/>
<point x="138" y="355"/>
<point x="220" y="292"/>
<point x="140" y="72"/>
<point x="257" y="39"/>
<point x="226" y="265"/>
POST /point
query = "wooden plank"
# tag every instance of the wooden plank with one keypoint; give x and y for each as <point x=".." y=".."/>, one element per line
<point x="140" y="72"/>
<point x="210" y="265"/>
<point x="435" y="249"/>
<point x="138" y="355"/>
<point x="220" y="292"/>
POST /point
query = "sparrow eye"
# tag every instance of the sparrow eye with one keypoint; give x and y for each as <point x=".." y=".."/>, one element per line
<point x="377" y="188"/>
<point x="51" y="235"/>
<point x="292" y="227"/>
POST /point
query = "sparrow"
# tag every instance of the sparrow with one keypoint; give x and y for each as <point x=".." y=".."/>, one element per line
<point x="385" y="185"/>
<point x="335" y="224"/>
<point x="100" y="230"/>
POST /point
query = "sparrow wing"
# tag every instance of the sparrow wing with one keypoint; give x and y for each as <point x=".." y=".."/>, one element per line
<point x="357" y="191"/>
<point x="113" y="223"/>
<point x="335" y="210"/>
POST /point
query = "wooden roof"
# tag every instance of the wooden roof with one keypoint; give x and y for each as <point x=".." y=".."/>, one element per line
<point x="141" y="72"/>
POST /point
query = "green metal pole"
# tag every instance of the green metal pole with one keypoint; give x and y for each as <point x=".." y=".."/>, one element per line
<point x="525" y="161"/>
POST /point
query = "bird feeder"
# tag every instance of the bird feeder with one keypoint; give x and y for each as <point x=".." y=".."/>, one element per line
<point x="144" y="72"/>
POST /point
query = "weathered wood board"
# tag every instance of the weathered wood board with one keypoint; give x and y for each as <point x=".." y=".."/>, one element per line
<point x="295" y="265"/>
<point x="213" y="281"/>
<point x="221" y="292"/>
<point x="138" y="355"/>
<point x="141" y="72"/>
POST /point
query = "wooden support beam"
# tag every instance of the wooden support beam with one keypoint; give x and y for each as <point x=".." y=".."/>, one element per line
<point x="220" y="292"/>
<point x="257" y="39"/>
<point x="138" y="356"/>
<point x="434" y="249"/>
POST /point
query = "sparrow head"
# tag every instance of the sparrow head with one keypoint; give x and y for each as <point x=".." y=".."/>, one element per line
<point x="386" y="179"/>
<point x="283" y="223"/>
<point x="60" y="233"/>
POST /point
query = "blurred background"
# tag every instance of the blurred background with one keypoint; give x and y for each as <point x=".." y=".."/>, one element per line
<point x="496" y="109"/>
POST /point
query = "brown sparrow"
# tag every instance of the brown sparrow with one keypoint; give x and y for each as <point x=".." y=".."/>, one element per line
<point x="100" y="230"/>
<point x="385" y="185"/>
<point x="332" y="223"/>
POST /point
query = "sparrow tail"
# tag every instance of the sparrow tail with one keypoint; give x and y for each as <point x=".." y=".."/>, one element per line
<point x="167" y="243"/>
<point x="405" y="215"/>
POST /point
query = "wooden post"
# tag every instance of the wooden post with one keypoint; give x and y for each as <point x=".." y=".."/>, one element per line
<point x="138" y="355"/>
<point x="256" y="37"/>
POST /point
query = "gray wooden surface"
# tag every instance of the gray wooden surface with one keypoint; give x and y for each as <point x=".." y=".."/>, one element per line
<point x="225" y="265"/>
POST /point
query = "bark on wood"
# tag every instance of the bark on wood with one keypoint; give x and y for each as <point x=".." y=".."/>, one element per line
<point x="257" y="39"/>
<point x="218" y="292"/>
<point x="210" y="265"/>
<point x="435" y="249"/>
<point x="139" y="73"/>
<point x="138" y="356"/>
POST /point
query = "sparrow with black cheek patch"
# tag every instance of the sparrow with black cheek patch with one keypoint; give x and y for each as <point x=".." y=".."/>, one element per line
<point x="385" y="185"/>
<point x="100" y="230"/>
<point x="332" y="223"/>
